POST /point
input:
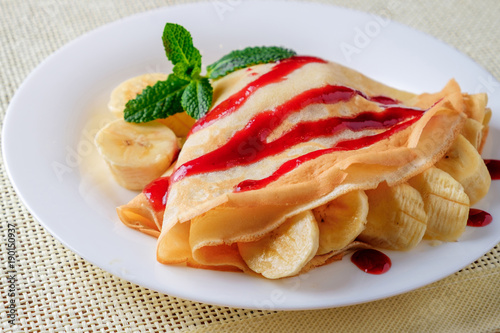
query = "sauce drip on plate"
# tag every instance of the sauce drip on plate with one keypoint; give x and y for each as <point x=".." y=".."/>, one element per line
<point x="493" y="168"/>
<point x="371" y="261"/>
<point x="478" y="218"/>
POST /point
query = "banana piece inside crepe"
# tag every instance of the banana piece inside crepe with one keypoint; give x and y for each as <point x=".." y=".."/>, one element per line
<point x="291" y="166"/>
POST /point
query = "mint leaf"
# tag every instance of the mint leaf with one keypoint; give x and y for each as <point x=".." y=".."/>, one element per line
<point x="186" y="71"/>
<point x="158" y="101"/>
<point x="247" y="57"/>
<point x="197" y="98"/>
<point x="179" y="46"/>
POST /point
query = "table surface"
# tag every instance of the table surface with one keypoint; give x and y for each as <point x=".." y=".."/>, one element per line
<point x="58" y="291"/>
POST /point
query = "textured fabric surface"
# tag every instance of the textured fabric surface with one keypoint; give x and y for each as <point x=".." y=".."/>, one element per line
<point x="60" y="292"/>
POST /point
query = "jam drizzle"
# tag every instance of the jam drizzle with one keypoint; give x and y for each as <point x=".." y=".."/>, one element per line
<point x="250" y="145"/>
<point x="156" y="192"/>
<point x="249" y="184"/>
<point x="277" y="74"/>
<point x="384" y="100"/>
<point x="371" y="261"/>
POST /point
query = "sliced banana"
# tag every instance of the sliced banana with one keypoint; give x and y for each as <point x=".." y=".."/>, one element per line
<point x="473" y="131"/>
<point x="284" y="251"/>
<point x="396" y="218"/>
<point x="464" y="163"/>
<point x="445" y="202"/>
<point x="475" y="107"/>
<point x="486" y="129"/>
<point x="129" y="89"/>
<point x="136" y="153"/>
<point x="180" y="123"/>
<point x="341" y="220"/>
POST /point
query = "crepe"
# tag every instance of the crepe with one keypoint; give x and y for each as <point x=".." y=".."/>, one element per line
<point x="282" y="139"/>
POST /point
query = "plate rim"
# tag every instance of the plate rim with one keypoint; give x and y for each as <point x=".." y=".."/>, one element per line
<point x="137" y="16"/>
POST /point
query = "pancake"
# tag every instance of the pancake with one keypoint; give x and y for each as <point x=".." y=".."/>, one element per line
<point x="291" y="137"/>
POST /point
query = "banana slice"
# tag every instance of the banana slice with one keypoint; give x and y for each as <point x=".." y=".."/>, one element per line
<point x="127" y="90"/>
<point x="475" y="107"/>
<point x="285" y="250"/>
<point x="180" y="123"/>
<point x="473" y="131"/>
<point x="396" y="218"/>
<point x="445" y="202"/>
<point x="476" y="110"/>
<point x="486" y="129"/>
<point x="136" y="153"/>
<point x="464" y="163"/>
<point x="341" y="220"/>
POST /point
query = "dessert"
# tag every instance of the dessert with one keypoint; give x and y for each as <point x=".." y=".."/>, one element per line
<point x="301" y="160"/>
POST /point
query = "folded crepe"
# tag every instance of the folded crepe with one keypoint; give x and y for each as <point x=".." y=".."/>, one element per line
<point x="287" y="138"/>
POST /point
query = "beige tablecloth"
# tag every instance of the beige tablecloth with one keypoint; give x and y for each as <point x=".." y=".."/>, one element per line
<point x="60" y="292"/>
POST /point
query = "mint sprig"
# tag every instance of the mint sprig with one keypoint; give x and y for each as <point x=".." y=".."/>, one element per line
<point x="247" y="57"/>
<point x="185" y="88"/>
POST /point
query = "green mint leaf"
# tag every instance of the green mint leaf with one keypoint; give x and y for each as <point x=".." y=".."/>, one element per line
<point x="179" y="46"/>
<point x="156" y="102"/>
<point x="197" y="98"/>
<point x="186" y="71"/>
<point x="247" y="57"/>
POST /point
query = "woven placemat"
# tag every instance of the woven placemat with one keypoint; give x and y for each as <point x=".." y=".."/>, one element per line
<point x="57" y="291"/>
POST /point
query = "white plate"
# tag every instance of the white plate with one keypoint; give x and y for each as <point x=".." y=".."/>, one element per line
<point x="48" y="150"/>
